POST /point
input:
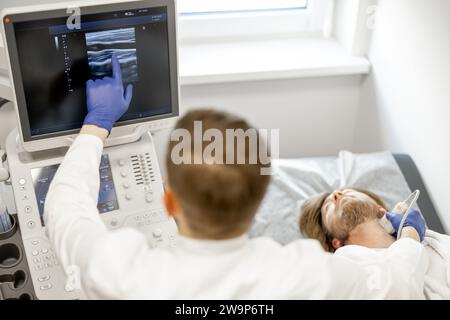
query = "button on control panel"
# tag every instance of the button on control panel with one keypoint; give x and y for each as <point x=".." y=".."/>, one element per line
<point x="31" y="224"/>
<point x="157" y="233"/>
<point x="47" y="286"/>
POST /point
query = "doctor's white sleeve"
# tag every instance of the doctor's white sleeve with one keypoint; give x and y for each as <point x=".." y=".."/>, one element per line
<point x="71" y="216"/>
<point x="398" y="274"/>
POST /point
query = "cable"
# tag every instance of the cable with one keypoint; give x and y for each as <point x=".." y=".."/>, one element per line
<point x="412" y="199"/>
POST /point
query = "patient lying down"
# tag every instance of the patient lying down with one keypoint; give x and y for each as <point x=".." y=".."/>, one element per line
<point x="347" y="222"/>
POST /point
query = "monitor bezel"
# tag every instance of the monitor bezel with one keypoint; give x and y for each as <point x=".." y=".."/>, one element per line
<point x="38" y="13"/>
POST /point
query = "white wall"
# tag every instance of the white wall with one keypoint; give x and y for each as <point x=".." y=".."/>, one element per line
<point x="316" y="116"/>
<point x="405" y="102"/>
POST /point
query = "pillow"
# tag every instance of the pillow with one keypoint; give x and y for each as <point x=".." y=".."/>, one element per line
<point x="296" y="180"/>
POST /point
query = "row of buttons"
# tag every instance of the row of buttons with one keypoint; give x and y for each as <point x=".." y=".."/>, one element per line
<point x="47" y="265"/>
<point x="22" y="183"/>
<point x="28" y="208"/>
<point x="153" y="217"/>
<point x="36" y="252"/>
<point x="142" y="220"/>
<point x="126" y="186"/>
<point x="43" y="259"/>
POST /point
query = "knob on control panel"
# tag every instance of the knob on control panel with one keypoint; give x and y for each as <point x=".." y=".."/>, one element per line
<point x="157" y="233"/>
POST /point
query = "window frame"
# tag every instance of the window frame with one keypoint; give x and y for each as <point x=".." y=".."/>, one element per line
<point x="313" y="21"/>
<point x="227" y="8"/>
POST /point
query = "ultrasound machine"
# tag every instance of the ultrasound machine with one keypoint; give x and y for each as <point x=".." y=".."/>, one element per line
<point x="50" y="57"/>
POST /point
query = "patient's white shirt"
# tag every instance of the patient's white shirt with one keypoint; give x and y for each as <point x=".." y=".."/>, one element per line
<point x="436" y="285"/>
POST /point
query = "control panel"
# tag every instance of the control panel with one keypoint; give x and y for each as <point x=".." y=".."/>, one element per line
<point x="130" y="195"/>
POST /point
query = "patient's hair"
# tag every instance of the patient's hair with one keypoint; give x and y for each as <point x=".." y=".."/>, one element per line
<point x="218" y="201"/>
<point x="311" y="223"/>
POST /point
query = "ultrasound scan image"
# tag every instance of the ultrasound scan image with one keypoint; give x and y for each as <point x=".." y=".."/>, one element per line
<point x="103" y="44"/>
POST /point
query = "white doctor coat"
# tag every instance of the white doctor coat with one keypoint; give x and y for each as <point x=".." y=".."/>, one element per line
<point x="437" y="276"/>
<point x="120" y="265"/>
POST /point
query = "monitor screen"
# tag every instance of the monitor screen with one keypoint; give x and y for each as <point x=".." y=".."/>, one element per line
<point x="56" y="60"/>
<point x="107" y="198"/>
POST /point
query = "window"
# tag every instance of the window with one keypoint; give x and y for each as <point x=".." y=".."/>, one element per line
<point x="217" y="19"/>
<point x="229" y="6"/>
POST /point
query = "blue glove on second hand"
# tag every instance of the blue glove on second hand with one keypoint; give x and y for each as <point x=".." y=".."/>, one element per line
<point x="106" y="100"/>
<point x="414" y="220"/>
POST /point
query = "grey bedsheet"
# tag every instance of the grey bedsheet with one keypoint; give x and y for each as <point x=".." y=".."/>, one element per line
<point x="296" y="180"/>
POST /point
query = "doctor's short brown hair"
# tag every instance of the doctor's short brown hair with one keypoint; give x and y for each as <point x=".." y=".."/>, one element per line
<point x="311" y="224"/>
<point x="218" y="201"/>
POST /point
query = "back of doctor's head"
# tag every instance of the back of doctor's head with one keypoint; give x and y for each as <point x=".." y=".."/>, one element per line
<point x="218" y="200"/>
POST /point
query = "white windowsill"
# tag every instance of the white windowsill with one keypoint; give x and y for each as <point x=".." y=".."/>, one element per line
<point x="254" y="60"/>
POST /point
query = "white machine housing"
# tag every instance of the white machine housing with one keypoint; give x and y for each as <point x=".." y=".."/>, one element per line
<point x="133" y="161"/>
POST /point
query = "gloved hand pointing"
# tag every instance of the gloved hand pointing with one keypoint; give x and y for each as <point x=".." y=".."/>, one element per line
<point x="414" y="220"/>
<point x="106" y="100"/>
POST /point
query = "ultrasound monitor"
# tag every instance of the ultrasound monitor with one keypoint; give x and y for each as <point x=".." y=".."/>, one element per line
<point x="51" y="61"/>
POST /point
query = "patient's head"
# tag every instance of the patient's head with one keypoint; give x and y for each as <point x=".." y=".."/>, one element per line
<point x="332" y="217"/>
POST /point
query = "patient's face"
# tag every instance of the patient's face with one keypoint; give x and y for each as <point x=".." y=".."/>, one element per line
<point x="344" y="210"/>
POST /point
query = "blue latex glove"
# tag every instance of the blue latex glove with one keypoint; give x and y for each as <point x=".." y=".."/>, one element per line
<point x="106" y="100"/>
<point x="414" y="220"/>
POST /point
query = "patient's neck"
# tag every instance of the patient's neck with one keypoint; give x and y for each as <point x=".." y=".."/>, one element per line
<point x="370" y="234"/>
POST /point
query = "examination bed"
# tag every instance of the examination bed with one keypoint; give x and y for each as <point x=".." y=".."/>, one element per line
<point x="392" y="176"/>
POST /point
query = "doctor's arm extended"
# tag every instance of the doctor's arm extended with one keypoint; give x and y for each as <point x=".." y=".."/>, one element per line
<point x="71" y="215"/>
